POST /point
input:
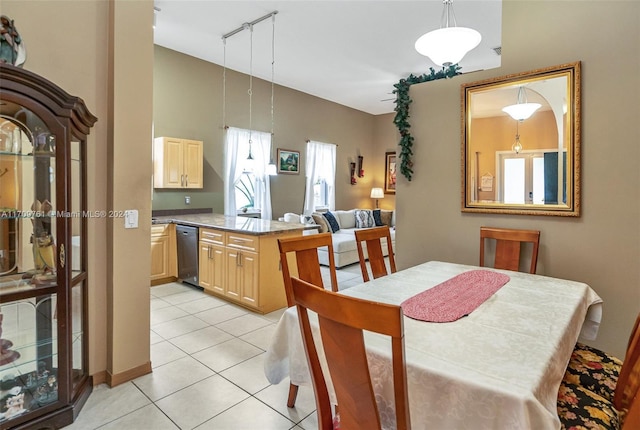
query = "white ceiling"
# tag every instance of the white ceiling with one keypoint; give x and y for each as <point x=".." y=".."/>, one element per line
<point x="349" y="52"/>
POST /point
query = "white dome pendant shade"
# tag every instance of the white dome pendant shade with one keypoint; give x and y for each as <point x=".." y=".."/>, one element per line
<point x="449" y="44"/>
<point x="522" y="109"/>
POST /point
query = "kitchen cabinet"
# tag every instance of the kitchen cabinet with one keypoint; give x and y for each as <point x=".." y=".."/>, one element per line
<point x="243" y="268"/>
<point x="163" y="253"/>
<point x="212" y="260"/>
<point x="177" y="163"/>
<point x="44" y="282"/>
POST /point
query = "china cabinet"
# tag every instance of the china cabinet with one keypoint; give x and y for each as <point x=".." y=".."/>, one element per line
<point x="44" y="378"/>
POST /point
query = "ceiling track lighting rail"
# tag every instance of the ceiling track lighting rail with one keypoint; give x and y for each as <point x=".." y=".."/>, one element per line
<point x="248" y="25"/>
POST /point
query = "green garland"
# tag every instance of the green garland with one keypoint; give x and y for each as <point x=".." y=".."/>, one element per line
<point x="401" y="119"/>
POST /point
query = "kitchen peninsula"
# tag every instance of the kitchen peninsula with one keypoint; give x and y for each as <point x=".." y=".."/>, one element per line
<point x="238" y="257"/>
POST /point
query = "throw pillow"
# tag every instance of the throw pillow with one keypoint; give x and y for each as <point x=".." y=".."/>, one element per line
<point x="385" y="217"/>
<point x="319" y="219"/>
<point x="377" y="218"/>
<point x="332" y="221"/>
<point x="364" y="219"/>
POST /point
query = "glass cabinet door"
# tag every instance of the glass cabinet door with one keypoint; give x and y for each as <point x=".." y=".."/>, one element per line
<point x="29" y="346"/>
<point x="79" y="218"/>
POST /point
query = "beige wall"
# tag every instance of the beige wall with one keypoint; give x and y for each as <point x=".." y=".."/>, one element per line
<point x="602" y="247"/>
<point x="68" y="42"/>
<point x="188" y="103"/>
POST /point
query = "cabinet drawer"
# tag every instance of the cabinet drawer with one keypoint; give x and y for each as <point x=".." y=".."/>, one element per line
<point x="239" y="241"/>
<point x="216" y="237"/>
<point x="160" y="230"/>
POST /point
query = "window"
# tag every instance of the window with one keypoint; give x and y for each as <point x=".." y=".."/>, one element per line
<point x="321" y="176"/>
<point x="245" y="191"/>
<point x="247" y="184"/>
<point x="320" y="194"/>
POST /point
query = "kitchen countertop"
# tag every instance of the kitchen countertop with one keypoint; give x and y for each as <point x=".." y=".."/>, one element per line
<point x="245" y="225"/>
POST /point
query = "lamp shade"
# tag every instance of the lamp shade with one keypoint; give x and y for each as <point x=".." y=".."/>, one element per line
<point x="271" y="169"/>
<point x="377" y="193"/>
<point x="522" y="109"/>
<point x="448" y="45"/>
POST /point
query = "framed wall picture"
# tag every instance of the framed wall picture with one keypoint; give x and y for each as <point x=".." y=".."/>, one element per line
<point x="288" y="161"/>
<point x="390" y="173"/>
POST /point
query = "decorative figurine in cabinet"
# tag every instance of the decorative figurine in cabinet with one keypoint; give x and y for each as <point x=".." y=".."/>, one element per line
<point x="44" y="378"/>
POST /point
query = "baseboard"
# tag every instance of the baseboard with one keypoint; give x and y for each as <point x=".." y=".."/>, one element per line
<point x="99" y="378"/>
<point x="128" y="375"/>
<point x="156" y="282"/>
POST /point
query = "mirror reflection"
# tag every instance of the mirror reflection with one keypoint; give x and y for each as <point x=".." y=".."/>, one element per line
<point x="520" y="143"/>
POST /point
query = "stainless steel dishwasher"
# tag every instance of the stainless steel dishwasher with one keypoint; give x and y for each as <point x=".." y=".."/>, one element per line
<point x="187" y="238"/>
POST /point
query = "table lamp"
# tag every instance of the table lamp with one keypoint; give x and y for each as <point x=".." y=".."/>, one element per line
<point x="377" y="193"/>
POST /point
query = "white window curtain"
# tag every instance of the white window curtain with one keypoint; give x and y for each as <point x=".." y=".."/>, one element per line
<point x="321" y="165"/>
<point x="236" y="139"/>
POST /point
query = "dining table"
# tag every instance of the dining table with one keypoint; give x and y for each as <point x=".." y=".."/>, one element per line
<point x="498" y="367"/>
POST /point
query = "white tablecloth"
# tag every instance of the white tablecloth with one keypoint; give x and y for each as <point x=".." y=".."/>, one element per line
<point x="498" y="368"/>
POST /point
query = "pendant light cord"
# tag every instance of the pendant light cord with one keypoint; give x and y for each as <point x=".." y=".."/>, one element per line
<point x="448" y="15"/>
<point x="224" y="83"/>
<point x="273" y="62"/>
<point x="250" y="84"/>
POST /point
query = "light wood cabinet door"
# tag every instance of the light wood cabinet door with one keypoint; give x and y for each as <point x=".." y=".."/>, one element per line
<point x="173" y="162"/>
<point x="250" y="275"/>
<point x="192" y="156"/>
<point x="234" y="274"/>
<point x="159" y="257"/>
<point x="212" y="267"/>
<point x="163" y="252"/>
<point x="205" y="268"/>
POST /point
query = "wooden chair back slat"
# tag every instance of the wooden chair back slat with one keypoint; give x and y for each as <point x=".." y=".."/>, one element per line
<point x="305" y="249"/>
<point x="508" y="247"/>
<point x="372" y="237"/>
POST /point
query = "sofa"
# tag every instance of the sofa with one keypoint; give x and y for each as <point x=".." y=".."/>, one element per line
<point x="345" y="251"/>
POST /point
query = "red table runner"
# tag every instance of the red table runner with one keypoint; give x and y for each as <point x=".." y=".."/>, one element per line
<point x="455" y="297"/>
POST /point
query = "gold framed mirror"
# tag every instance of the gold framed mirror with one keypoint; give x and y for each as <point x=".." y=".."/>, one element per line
<point x="520" y="162"/>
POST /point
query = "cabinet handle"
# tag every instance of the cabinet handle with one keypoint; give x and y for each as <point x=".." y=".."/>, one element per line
<point x="182" y="180"/>
<point x="209" y="252"/>
<point x="186" y="180"/>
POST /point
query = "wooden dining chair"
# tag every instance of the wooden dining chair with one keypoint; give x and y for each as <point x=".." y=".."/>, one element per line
<point x="305" y="249"/>
<point x="508" y="244"/>
<point x="342" y="320"/>
<point x="595" y="369"/>
<point x="619" y="408"/>
<point x="373" y="238"/>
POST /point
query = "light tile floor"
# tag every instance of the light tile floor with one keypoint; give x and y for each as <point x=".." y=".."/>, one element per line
<point x="207" y="358"/>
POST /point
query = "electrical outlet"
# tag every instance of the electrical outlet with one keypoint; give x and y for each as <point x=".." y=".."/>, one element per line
<point x="187" y="200"/>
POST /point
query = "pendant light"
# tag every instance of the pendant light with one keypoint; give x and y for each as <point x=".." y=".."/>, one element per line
<point x="522" y="109"/>
<point x="271" y="167"/>
<point x="517" y="145"/>
<point x="450" y="43"/>
<point x="249" y="163"/>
